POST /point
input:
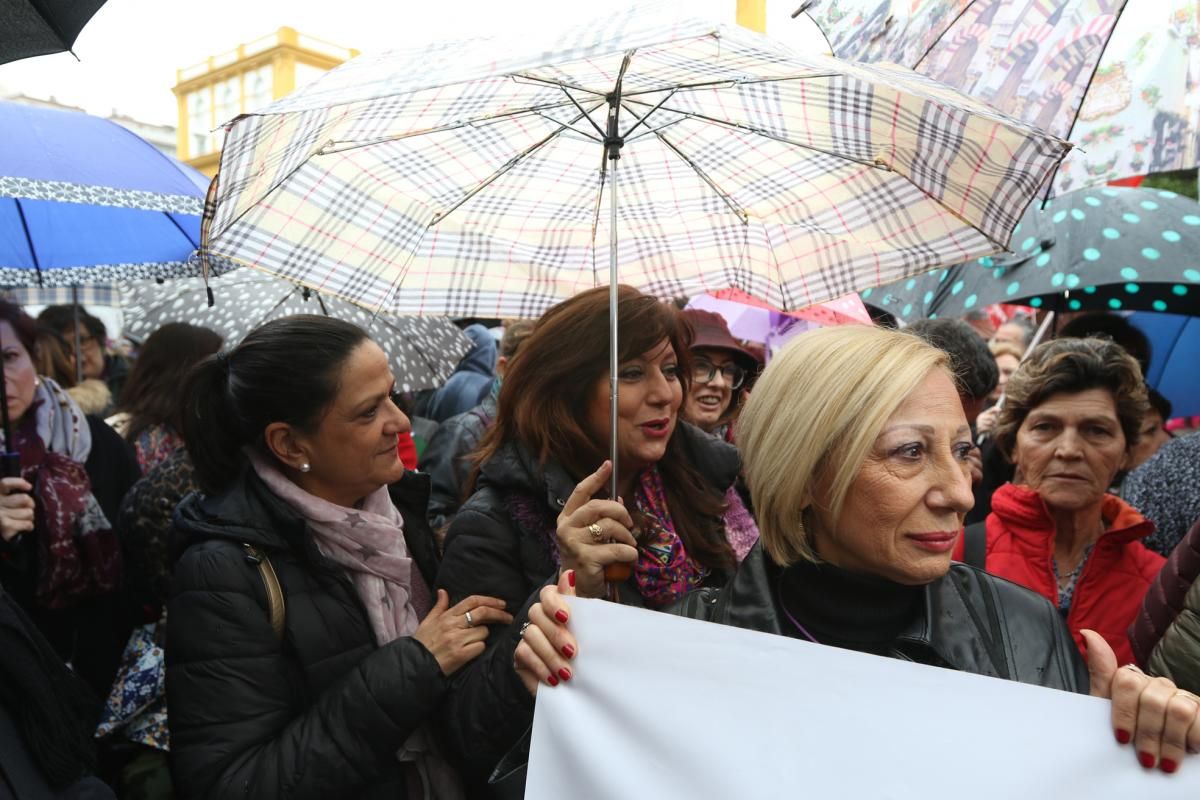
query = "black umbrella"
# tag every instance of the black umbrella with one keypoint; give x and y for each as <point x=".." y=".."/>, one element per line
<point x="37" y="27"/>
<point x="1106" y="249"/>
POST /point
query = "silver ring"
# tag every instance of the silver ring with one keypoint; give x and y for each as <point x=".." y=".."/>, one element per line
<point x="470" y="622"/>
<point x="1133" y="667"/>
<point x="524" y="627"/>
<point x="597" y="532"/>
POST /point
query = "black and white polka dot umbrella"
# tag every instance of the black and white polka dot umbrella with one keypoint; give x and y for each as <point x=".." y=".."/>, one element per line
<point x="423" y="350"/>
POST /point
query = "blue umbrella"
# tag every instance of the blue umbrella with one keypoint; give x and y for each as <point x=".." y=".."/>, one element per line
<point x="1174" y="359"/>
<point x="83" y="200"/>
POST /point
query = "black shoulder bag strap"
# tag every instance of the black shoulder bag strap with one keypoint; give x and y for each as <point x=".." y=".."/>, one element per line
<point x="975" y="545"/>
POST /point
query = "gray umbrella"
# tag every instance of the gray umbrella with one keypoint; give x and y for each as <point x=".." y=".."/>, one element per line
<point x="423" y="350"/>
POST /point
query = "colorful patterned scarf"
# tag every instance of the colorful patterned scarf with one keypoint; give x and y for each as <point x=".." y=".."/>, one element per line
<point x="664" y="571"/>
<point x="78" y="553"/>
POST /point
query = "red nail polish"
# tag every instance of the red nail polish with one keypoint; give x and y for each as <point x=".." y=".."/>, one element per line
<point x="1167" y="765"/>
<point x="564" y="673"/>
<point x="568" y="651"/>
<point x="571" y="578"/>
<point x="1123" y="737"/>
<point x="553" y="681"/>
<point x="1145" y="759"/>
<point x="561" y="616"/>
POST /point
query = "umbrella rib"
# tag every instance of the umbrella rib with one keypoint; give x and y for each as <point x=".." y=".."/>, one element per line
<point x="782" y="139"/>
<point x="653" y="131"/>
<point x="942" y="35"/>
<point x="1083" y="94"/>
<point x="512" y="162"/>
<point x="731" y="83"/>
<point x="642" y="120"/>
<point x="704" y="176"/>
<point x="587" y="115"/>
<point x="334" y="146"/>
<point x="517" y="77"/>
<point x="32" y="250"/>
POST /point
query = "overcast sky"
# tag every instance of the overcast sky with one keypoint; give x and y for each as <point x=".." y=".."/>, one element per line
<point x="130" y="50"/>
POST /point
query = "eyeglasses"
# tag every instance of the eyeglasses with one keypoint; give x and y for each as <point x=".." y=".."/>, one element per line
<point x="703" y="371"/>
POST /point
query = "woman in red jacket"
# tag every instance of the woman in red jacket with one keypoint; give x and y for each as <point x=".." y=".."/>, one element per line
<point x="1070" y="420"/>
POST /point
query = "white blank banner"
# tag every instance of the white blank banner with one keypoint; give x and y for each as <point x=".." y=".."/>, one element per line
<point x="663" y="707"/>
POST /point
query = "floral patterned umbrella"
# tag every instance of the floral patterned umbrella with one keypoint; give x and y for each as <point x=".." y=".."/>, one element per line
<point x="1121" y="78"/>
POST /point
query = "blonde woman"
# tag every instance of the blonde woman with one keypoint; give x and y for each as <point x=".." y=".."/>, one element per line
<point x="860" y="493"/>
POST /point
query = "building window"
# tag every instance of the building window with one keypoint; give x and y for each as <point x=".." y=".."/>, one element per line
<point x="200" y="137"/>
<point x="228" y="103"/>
<point x="258" y="88"/>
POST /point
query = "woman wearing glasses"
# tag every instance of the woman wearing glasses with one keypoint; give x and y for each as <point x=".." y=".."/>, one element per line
<point x="541" y="501"/>
<point x="720" y="367"/>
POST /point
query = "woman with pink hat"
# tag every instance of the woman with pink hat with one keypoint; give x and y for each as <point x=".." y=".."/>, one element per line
<point x="721" y="367"/>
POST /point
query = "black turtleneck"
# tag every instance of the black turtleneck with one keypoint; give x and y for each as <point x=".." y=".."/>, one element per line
<point x="844" y="609"/>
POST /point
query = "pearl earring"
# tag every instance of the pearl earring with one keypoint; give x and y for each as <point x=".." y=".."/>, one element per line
<point x="305" y="467"/>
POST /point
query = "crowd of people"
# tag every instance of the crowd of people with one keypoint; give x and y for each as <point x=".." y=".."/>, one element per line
<point x="223" y="576"/>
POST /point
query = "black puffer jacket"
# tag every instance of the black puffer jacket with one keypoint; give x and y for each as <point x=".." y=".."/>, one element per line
<point x="502" y="543"/>
<point x="321" y="714"/>
<point x="970" y="621"/>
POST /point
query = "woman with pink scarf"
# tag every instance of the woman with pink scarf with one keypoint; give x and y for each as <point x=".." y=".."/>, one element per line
<point x="306" y="652"/>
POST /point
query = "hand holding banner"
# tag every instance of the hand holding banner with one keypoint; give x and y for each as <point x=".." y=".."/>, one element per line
<point x="663" y="707"/>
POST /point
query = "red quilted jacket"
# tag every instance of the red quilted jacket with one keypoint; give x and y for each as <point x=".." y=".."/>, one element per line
<point x="1109" y="591"/>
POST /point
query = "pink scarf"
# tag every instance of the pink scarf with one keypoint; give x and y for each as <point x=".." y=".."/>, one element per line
<point x="369" y="544"/>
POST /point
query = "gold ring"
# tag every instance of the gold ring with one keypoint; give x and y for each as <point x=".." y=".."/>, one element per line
<point x="1187" y="694"/>
<point x="597" y="532"/>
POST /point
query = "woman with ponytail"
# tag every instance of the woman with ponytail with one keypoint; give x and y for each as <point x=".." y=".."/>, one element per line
<point x="306" y="651"/>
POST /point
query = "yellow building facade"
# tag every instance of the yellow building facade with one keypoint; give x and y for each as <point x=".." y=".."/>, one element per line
<point x="251" y="75"/>
<point x="243" y="80"/>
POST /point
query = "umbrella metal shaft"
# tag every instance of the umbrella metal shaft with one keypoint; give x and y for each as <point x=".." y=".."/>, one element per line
<point x="612" y="322"/>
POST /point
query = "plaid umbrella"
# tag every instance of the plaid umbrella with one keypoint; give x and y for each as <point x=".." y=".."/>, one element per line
<point x="434" y="182"/>
<point x="443" y="181"/>
<point x="423" y="350"/>
<point x="1096" y="249"/>
<point x="1117" y="76"/>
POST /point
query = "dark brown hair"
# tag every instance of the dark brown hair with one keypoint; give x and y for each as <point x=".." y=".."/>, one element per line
<point x="286" y="370"/>
<point x="22" y="324"/>
<point x="1071" y="366"/>
<point x="548" y="387"/>
<point x="151" y="393"/>
<point x="53" y="357"/>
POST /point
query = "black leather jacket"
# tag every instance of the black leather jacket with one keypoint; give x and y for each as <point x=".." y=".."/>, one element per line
<point x="972" y="621"/>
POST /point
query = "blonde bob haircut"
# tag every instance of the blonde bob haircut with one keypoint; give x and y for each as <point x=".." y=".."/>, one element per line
<point x="812" y="418"/>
